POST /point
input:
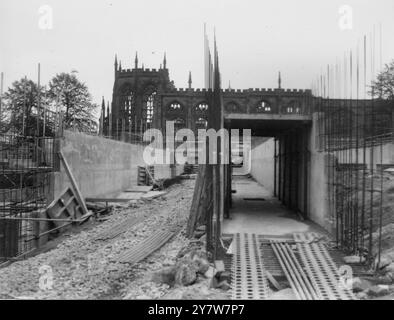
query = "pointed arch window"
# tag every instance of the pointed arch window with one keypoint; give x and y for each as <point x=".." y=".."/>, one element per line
<point x="202" y="107"/>
<point x="293" y="107"/>
<point x="175" y="106"/>
<point x="264" y="107"/>
<point x="148" y="107"/>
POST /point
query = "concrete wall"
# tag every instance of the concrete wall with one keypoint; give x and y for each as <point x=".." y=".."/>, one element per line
<point x="246" y="150"/>
<point x="101" y="167"/>
<point x="262" y="161"/>
<point x="318" y="196"/>
<point x="386" y="158"/>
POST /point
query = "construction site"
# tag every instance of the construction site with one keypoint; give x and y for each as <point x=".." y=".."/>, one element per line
<point x="293" y="202"/>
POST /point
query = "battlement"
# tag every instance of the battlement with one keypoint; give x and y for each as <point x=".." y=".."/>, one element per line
<point x="192" y="90"/>
<point x="260" y="91"/>
<point x="267" y="91"/>
<point x="140" y="70"/>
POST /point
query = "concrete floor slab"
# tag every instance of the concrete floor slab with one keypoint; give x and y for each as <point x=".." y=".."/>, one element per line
<point x="268" y="217"/>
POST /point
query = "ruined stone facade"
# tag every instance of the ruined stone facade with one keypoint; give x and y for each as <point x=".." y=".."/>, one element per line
<point x="147" y="98"/>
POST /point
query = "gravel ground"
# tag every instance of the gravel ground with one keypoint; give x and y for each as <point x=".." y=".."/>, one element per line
<point x="80" y="268"/>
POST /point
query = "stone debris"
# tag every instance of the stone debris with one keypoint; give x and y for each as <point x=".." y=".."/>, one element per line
<point x="285" y="294"/>
<point x="359" y="284"/>
<point x="383" y="262"/>
<point x="378" y="290"/>
<point x="353" y="259"/>
<point x="79" y="268"/>
<point x="185" y="271"/>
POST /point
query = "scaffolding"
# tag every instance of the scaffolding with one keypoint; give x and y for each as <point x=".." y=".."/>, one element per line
<point x="355" y="134"/>
<point x="26" y="164"/>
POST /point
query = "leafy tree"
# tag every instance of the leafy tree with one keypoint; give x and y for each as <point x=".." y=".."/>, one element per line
<point x="3" y="124"/>
<point x="73" y="98"/>
<point x="383" y="87"/>
<point x="21" y="105"/>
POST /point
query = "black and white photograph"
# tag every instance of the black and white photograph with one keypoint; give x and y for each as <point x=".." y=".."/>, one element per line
<point x="215" y="151"/>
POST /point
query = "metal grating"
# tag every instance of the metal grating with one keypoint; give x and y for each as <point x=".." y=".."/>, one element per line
<point x="120" y="228"/>
<point x="299" y="281"/>
<point x="147" y="246"/>
<point x="271" y="262"/>
<point x="248" y="274"/>
<point x="321" y="269"/>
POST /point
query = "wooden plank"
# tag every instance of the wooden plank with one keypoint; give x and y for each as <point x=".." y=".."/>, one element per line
<point x="271" y="279"/>
<point x="65" y="207"/>
<point x="196" y="202"/>
<point x="107" y="200"/>
<point x="150" y="175"/>
<point x="74" y="184"/>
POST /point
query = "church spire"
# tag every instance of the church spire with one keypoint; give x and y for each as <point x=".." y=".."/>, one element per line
<point x="190" y="80"/>
<point x="136" y="60"/>
<point x="165" y="61"/>
<point x="116" y="63"/>
<point x="103" y="105"/>
<point x="279" y="81"/>
<point x="102" y="116"/>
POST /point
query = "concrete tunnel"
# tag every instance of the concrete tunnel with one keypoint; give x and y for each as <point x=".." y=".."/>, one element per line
<point x="280" y="160"/>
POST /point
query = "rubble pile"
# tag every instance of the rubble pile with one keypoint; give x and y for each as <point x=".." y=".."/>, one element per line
<point x="81" y="268"/>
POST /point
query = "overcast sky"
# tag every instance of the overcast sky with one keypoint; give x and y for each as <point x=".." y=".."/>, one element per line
<point x="256" y="38"/>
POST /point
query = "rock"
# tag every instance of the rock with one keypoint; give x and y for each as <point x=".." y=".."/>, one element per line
<point x="219" y="266"/>
<point x="214" y="282"/>
<point x="389" y="268"/>
<point x="186" y="274"/>
<point x="362" y="295"/>
<point x="225" y="276"/>
<point x="360" y="285"/>
<point x="386" y="279"/>
<point x="201" y="264"/>
<point x="285" y="294"/>
<point x="378" y="290"/>
<point x="384" y="262"/>
<point x="353" y="259"/>
<point x="166" y="275"/>
<point x="210" y="272"/>
<point x="143" y="297"/>
<point x="224" y="285"/>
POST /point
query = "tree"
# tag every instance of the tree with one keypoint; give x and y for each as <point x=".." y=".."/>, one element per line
<point x="383" y="87"/>
<point x="73" y="98"/>
<point x="3" y="124"/>
<point x="21" y="106"/>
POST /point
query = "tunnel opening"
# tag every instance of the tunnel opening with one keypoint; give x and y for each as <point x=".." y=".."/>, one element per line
<point x="275" y="168"/>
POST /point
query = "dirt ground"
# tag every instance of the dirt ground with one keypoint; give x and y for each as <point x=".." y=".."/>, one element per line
<point x="82" y="268"/>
